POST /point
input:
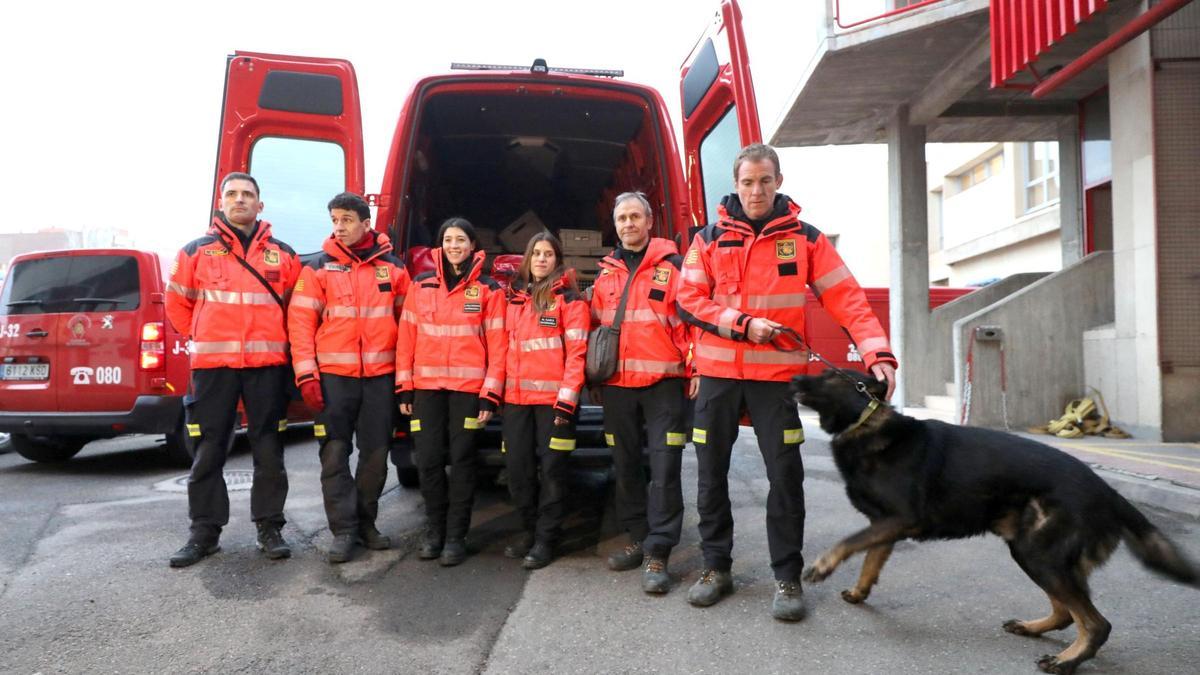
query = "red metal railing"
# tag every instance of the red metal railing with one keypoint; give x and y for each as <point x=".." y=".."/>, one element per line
<point x="1024" y="29"/>
<point x="837" y="13"/>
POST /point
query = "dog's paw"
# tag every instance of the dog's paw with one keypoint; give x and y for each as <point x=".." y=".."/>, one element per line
<point x="1051" y="664"/>
<point x="1016" y="628"/>
<point x="818" y="572"/>
<point x="852" y="596"/>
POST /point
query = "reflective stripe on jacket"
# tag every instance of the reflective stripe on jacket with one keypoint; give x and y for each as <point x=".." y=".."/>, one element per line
<point x="453" y="338"/>
<point x="344" y="309"/>
<point x="731" y="275"/>
<point x="547" y="350"/>
<point x="232" y="319"/>
<point x="654" y="341"/>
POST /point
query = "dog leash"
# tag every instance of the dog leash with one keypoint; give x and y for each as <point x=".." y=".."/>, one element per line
<point x="859" y="386"/>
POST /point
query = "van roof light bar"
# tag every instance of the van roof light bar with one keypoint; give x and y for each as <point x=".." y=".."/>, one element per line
<point x="539" y="66"/>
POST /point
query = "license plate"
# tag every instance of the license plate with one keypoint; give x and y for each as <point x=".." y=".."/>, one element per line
<point x="25" y="371"/>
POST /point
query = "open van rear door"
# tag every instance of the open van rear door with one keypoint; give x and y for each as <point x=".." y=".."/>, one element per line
<point x="720" y="114"/>
<point x="295" y="124"/>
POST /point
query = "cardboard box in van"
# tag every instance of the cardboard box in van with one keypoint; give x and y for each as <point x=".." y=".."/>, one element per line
<point x="520" y="231"/>
<point x="579" y="242"/>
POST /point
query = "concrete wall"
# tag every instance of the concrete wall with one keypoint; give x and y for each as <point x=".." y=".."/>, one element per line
<point x="1042" y="328"/>
<point x="939" y="367"/>
<point x="1135" y="354"/>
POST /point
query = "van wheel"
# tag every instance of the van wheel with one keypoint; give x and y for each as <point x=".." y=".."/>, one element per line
<point x="409" y="477"/>
<point x="49" y="449"/>
<point x="179" y="446"/>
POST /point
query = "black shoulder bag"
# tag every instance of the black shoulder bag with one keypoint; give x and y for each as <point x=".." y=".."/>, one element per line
<point x="604" y="342"/>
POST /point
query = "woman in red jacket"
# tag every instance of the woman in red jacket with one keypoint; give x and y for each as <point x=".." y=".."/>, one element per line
<point x="547" y="324"/>
<point x="449" y="376"/>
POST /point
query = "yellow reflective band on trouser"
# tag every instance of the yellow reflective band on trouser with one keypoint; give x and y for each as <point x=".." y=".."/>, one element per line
<point x="567" y="444"/>
<point x="472" y="423"/>
<point x="193" y="430"/>
<point x="676" y="439"/>
<point x="414" y="425"/>
<point x="503" y="448"/>
<point x="791" y="436"/>
<point x="699" y="435"/>
<point x="610" y="440"/>
<point x="319" y="430"/>
<point x="282" y="425"/>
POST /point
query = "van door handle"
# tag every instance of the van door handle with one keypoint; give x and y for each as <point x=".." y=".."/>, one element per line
<point x="36" y="332"/>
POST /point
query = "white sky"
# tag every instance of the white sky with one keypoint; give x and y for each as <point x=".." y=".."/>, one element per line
<point x="113" y="107"/>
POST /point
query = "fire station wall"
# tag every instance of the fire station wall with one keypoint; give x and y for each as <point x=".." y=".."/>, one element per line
<point x="1135" y="398"/>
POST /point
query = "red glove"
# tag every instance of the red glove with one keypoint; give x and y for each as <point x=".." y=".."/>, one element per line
<point x="310" y="391"/>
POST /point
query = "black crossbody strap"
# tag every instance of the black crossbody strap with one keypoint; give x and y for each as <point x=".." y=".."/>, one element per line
<point x="266" y="284"/>
<point x="620" y="315"/>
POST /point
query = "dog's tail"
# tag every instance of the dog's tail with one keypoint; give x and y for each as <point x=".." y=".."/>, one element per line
<point x="1152" y="547"/>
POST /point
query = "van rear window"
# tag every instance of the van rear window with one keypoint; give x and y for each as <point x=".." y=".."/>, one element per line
<point x="99" y="283"/>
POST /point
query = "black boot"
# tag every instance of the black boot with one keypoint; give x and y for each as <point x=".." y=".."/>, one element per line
<point x="372" y="539"/>
<point x="453" y="553"/>
<point x="539" y="556"/>
<point x="431" y="543"/>
<point x="270" y="542"/>
<point x="627" y="558"/>
<point x="194" y="551"/>
<point x="342" y="548"/>
<point x="521" y="546"/>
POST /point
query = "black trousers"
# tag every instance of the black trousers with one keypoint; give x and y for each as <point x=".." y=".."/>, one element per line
<point x="651" y="514"/>
<point x="444" y="433"/>
<point x="777" y="425"/>
<point x="531" y="439"/>
<point x="210" y="419"/>
<point x="358" y="408"/>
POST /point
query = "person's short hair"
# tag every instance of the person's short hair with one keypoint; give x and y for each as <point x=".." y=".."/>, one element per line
<point x="755" y="152"/>
<point x="641" y="199"/>
<point x="462" y="224"/>
<point x="238" y="175"/>
<point x="348" y="201"/>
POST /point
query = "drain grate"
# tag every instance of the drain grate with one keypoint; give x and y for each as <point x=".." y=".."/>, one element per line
<point x="235" y="481"/>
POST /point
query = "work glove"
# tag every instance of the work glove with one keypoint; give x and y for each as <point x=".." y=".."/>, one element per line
<point x="310" y="391"/>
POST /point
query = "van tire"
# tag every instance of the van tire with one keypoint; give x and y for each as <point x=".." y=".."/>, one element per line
<point x="47" y="449"/>
<point x="178" y="446"/>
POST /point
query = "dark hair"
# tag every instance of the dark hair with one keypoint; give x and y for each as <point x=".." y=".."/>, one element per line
<point x="348" y="201"/>
<point x="462" y="224"/>
<point x="539" y="291"/>
<point x="238" y="175"/>
<point x="755" y="152"/>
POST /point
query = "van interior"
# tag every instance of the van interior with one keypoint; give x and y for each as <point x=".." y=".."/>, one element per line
<point x="564" y="153"/>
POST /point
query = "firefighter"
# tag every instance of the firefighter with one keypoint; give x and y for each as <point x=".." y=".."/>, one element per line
<point x="342" y="325"/>
<point x="547" y="323"/>
<point x="450" y="378"/>
<point x="228" y="293"/>
<point x="744" y="278"/>
<point x="650" y="384"/>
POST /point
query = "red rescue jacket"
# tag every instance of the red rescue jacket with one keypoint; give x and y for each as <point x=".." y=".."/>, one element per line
<point x="654" y="341"/>
<point x="344" y="310"/>
<point x="546" y="350"/>
<point x="233" y="320"/>
<point x="453" y="338"/>
<point x="731" y="275"/>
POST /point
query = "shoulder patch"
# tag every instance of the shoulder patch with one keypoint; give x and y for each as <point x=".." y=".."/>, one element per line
<point x="425" y="275"/>
<point x="693" y="256"/>
<point x="191" y="247"/>
<point x="675" y="259"/>
<point x="391" y="258"/>
<point x="810" y="233"/>
<point x="710" y="232"/>
<point x="490" y="282"/>
<point x="282" y="246"/>
<point x="318" y="261"/>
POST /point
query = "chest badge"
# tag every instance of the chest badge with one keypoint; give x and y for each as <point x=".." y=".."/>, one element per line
<point x="382" y="274"/>
<point x="785" y="249"/>
<point x="662" y="275"/>
<point x="472" y="292"/>
<point x="271" y="257"/>
<point x="548" y="321"/>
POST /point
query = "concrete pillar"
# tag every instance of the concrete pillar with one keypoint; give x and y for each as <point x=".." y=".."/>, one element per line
<point x="1070" y="187"/>
<point x="909" y="232"/>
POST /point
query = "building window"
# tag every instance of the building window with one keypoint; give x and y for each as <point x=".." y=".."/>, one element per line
<point x="1041" y="174"/>
<point x="980" y="172"/>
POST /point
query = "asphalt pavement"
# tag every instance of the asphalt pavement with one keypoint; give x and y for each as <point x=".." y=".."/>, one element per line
<point x="85" y="588"/>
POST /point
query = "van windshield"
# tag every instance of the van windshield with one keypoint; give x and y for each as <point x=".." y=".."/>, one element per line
<point x="98" y="283"/>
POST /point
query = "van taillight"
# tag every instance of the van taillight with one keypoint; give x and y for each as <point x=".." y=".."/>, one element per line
<point x="154" y="346"/>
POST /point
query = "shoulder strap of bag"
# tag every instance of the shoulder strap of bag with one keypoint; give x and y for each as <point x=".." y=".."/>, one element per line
<point x="261" y="280"/>
<point x="620" y="316"/>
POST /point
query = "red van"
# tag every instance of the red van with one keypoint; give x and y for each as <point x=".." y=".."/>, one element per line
<point x="512" y="149"/>
<point x="86" y="352"/>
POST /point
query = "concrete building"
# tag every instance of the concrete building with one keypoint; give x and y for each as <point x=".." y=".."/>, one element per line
<point x="1119" y="92"/>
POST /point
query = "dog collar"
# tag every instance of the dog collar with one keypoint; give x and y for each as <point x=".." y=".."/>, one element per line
<point x="867" y="412"/>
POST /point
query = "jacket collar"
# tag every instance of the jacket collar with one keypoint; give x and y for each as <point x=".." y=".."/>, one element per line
<point x="344" y="255"/>
<point x="223" y="229"/>
<point x="656" y="251"/>
<point x="474" y="266"/>
<point x="785" y="216"/>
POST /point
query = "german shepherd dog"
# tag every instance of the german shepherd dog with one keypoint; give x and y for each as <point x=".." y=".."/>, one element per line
<point x="924" y="480"/>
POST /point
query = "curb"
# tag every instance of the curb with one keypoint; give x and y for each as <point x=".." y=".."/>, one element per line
<point x="1152" y="491"/>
